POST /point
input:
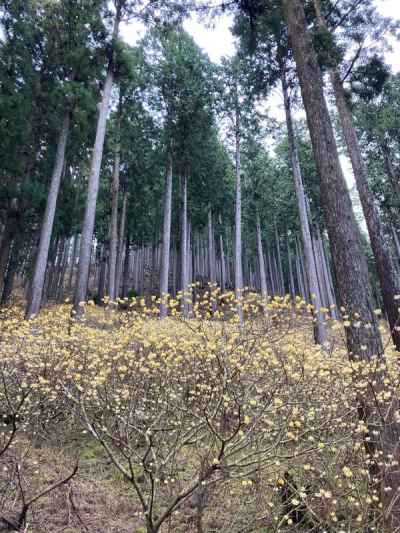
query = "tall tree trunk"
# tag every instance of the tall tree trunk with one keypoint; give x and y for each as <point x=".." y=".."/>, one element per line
<point x="388" y="278"/>
<point x="328" y="278"/>
<point x="184" y="249"/>
<point x="396" y="240"/>
<point x="120" y="250"/>
<point x="93" y="184"/>
<point x="59" y="295"/>
<point x="281" y="280"/>
<point x="238" y="219"/>
<point x="11" y="271"/>
<point x="212" y="268"/>
<point x="261" y="264"/>
<point x="350" y="264"/>
<point x="299" y="273"/>
<point x="190" y="266"/>
<point x="175" y="265"/>
<point x="126" y="273"/>
<point x="311" y="269"/>
<point x="10" y="231"/>
<point x="73" y="261"/>
<point x="166" y="244"/>
<point x="112" y="261"/>
<point x="153" y="262"/>
<point x="393" y="178"/>
<point x="290" y="266"/>
<point x="211" y="248"/>
<point x="222" y="255"/>
<point x="5" y="248"/>
<point x="101" y="292"/>
<point x="35" y="298"/>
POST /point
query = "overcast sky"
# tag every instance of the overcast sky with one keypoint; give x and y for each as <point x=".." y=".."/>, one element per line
<point x="218" y="41"/>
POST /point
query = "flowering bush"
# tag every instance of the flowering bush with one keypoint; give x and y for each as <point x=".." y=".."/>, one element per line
<point x="202" y="424"/>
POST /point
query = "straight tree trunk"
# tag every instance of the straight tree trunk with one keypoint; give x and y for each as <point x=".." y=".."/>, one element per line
<point x="211" y="249"/>
<point x="120" y="250"/>
<point x="166" y="244"/>
<point x="174" y="265"/>
<point x="261" y="264"/>
<point x="311" y="269"/>
<point x="73" y="261"/>
<point x="350" y="264"/>
<point x="63" y="269"/>
<point x="5" y="248"/>
<point x="271" y="273"/>
<point x="9" y="232"/>
<point x="184" y="250"/>
<point x="388" y="277"/>
<point x="11" y="272"/>
<point x="126" y="273"/>
<point x="279" y="266"/>
<point x="396" y="241"/>
<point x="299" y="273"/>
<point x="153" y="263"/>
<point x="291" y="277"/>
<point x="320" y="272"/>
<point x="222" y="256"/>
<point x="112" y="264"/>
<point x="93" y="185"/>
<point x="328" y="278"/>
<point x="52" y="271"/>
<point x="393" y="178"/>
<point x="36" y="291"/>
<point x="101" y="292"/>
<point x="238" y="220"/>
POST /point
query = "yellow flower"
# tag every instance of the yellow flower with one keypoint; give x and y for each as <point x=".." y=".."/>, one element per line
<point x="347" y="472"/>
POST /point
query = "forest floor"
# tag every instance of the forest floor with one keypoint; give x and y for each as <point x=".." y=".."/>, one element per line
<point x="197" y="424"/>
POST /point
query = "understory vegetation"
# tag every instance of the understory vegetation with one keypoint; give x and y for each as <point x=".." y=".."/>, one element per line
<point x="187" y="425"/>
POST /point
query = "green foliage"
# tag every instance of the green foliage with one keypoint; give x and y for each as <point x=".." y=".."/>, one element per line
<point x="329" y="53"/>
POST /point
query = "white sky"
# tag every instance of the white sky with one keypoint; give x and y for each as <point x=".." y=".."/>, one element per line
<point x="217" y="41"/>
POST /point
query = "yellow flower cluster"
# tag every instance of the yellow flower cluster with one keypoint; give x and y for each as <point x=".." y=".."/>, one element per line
<point x="204" y="401"/>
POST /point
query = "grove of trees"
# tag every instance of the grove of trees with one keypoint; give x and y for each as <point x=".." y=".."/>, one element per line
<point x="150" y="174"/>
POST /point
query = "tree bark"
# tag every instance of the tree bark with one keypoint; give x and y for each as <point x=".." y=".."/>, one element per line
<point x="211" y="249"/>
<point x="238" y="219"/>
<point x="222" y="255"/>
<point x="36" y="292"/>
<point x="166" y="244"/>
<point x="393" y="178"/>
<point x="384" y="262"/>
<point x="184" y="250"/>
<point x="93" y="185"/>
<point x="11" y="271"/>
<point x="290" y="266"/>
<point x="388" y="278"/>
<point x="101" y="292"/>
<point x="120" y="250"/>
<point x="5" y="248"/>
<point x="261" y="264"/>
<point x="320" y="334"/>
<point x="112" y="264"/>
<point x="350" y="264"/>
<point x="73" y="261"/>
<point x="126" y="273"/>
